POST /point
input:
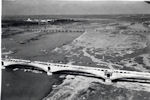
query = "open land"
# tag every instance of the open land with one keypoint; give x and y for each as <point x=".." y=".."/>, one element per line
<point x="122" y="41"/>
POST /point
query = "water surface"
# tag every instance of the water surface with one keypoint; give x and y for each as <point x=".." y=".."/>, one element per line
<point x="20" y="85"/>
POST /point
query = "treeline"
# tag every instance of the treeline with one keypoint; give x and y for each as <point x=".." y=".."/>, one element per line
<point x="63" y="21"/>
<point x="7" y="23"/>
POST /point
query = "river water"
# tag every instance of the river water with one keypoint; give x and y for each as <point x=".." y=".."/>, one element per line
<point x="20" y="85"/>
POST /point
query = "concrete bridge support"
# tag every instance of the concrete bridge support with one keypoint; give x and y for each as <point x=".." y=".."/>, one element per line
<point x="108" y="81"/>
<point x="108" y="74"/>
<point x="49" y="73"/>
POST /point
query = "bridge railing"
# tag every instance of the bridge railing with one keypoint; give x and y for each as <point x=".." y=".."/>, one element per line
<point x="43" y="63"/>
<point x="81" y="67"/>
<point x="17" y="60"/>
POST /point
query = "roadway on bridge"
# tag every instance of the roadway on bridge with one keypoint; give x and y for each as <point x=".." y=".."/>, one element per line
<point x="108" y="75"/>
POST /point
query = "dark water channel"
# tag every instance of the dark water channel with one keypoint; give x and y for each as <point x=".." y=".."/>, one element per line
<point x="20" y="85"/>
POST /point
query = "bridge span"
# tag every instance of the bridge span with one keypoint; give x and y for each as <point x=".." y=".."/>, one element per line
<point x="108" y="75"/>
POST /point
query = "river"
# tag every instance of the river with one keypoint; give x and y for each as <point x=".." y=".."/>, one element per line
<point x="22" y="85"/>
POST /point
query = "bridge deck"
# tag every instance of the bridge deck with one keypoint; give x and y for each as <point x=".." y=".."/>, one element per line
<point x="110" y="74"/>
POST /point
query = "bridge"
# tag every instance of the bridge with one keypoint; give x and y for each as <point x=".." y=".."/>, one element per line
<point x="108" y="75"/>
<point x="55" y="30"/>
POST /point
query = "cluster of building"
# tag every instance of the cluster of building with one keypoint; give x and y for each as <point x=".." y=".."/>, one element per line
<point x="40" y="20"/>
<point x="52" y="20"/>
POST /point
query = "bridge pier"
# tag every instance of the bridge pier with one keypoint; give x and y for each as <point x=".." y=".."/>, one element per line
<point x="108" y="74"/>
<point x="49" y="73"/>
<point x="108" y="81"/>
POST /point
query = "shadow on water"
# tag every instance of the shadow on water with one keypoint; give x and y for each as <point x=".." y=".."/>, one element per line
<point x="78" y="73"/>
<point x="132" y="80"/>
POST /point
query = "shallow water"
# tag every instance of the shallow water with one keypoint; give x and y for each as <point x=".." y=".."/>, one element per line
<point x="20" y="85"/>
<point x="40" y="47"/>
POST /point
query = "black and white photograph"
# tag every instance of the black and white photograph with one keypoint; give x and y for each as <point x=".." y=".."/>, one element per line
<point x="75" y="50"/>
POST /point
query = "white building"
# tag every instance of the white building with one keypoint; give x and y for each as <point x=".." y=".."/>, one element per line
<point x="29" y="20"/>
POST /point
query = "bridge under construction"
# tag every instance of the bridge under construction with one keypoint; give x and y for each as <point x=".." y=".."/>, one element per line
<point x="108" y="75"/>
